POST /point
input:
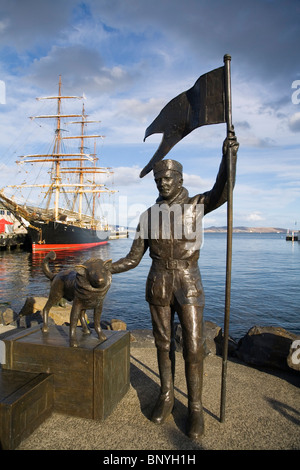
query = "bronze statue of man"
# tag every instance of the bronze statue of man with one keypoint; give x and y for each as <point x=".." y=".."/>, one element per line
<point x="174" y="281"/>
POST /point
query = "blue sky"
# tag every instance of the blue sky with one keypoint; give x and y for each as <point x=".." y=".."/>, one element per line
<point x="130" y="58"/>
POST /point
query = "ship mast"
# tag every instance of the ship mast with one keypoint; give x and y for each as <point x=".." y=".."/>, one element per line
<point x="56" y="155"/>
<point x="57" y="158"/>
<point x="57" y="151"/>
<point x="94" y="195"/>
<point x="82" y="169"/>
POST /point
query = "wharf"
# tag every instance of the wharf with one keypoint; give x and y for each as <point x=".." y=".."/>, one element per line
<point x="293" y="237"/>
<point x="10" y="241"/>
<point x="262" y="412"/>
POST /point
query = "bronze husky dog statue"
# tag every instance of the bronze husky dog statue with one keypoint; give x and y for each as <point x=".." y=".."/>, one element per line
<point x="86" y="286"/>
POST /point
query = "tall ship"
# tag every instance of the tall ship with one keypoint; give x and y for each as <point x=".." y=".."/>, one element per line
<point x="67" y="216"/>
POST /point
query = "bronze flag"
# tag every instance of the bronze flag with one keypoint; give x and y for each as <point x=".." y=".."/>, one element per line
<point x="202" y="104"/>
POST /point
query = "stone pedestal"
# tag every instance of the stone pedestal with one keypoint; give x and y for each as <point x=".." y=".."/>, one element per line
<point x="88" y="381"/>
<point x="26" y="400"/>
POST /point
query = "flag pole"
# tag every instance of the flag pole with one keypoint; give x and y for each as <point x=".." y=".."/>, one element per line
<point x="228" y="111"/>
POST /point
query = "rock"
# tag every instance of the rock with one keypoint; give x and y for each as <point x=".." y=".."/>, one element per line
<point x="28" y="307"/>
<point x="59" y="314"/>
<point x="7" y="316"/>
<point x="114" y="324"/>
<point x="27" y="321"/>
<point x="118" y="325"/>
<point x="293" y="360"/>
<point x="266" y="347"/>
<point x="105" y="324"/>
<point x="212" y="336"/>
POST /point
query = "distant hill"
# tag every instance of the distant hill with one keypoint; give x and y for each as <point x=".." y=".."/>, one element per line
<point x="214" y="229"/>
<point x="247" y="229"/>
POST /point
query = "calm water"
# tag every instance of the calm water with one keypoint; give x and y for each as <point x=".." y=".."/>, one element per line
<point x="265" y="288"/>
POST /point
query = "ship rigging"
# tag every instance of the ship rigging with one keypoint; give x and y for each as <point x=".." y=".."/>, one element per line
<point x="67" y="226"/>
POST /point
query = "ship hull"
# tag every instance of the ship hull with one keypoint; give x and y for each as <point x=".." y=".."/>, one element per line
<point x="61" y="236"/>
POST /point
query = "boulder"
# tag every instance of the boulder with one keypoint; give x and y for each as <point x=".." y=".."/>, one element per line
<point x="267" y="346"/>
<point x="33" y="319"/>
<point x="114" y="324"/>
<point x="118" y="325"/>
<point x="213" y="339"/>
<point x="34" y="305"/>
<point x="28" y="318"/>
<point x="7" y="316"/>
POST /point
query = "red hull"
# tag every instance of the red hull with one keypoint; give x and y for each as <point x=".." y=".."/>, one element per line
<point x="54" y="247"/>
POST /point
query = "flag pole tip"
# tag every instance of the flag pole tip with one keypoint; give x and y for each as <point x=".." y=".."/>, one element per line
<point x="227" y="57"/>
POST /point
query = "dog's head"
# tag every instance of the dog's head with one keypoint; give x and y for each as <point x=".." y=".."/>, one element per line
<point x="96" y="272"/>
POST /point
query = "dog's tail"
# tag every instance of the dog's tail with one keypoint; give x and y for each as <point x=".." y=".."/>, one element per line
<point x="49" y="256"/>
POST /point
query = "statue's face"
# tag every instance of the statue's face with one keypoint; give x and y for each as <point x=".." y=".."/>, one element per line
<point x="169" y="184"/>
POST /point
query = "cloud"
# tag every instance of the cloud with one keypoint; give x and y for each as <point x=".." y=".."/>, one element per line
<point x="294" y="122"/>
<point x="130" y="59"/>
<point x="82" y="68"/>
<point x="32" y="23"/>
<point x="256" y="33"/>
<point x="242" y="125"/>
<point x="126" y="176"/>
<point x="254" y="217"/>
<point x="195" y="182"/>
<point x="7" y="173"/>
<point x="134" y="109"/>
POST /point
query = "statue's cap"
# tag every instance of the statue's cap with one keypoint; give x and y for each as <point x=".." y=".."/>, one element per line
<point x="164" y="165"/>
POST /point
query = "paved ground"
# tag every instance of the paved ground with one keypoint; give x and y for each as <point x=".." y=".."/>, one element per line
<point x="262" y="412"/>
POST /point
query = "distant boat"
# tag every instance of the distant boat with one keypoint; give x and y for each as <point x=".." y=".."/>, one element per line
<point x="71" y="224"/>
<point x="292" y="236"/>
<point x="120" y="232"/>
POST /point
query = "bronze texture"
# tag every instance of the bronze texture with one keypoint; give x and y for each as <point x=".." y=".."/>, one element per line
<point x="86" y="286"/>
<point x="174" y="281"/>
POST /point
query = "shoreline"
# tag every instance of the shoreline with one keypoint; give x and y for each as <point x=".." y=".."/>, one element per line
<point x="243" y="229"/>
<point x="269" y="347"/>
<point x="262" y="411"/>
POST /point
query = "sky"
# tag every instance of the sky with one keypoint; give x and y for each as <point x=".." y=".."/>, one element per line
<point x="129" y="58"/>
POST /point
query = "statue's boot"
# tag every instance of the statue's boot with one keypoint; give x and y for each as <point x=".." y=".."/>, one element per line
<point x="165" y="403"/>
<point x="194" y="378"/>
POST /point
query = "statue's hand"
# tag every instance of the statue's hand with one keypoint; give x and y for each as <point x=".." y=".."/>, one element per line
<point x="230" y="141"/>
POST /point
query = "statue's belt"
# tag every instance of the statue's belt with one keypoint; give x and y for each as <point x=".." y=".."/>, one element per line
<point x="174" y="263"/>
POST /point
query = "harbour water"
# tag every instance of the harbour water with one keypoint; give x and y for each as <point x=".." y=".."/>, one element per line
<point x="265" y="287"/>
